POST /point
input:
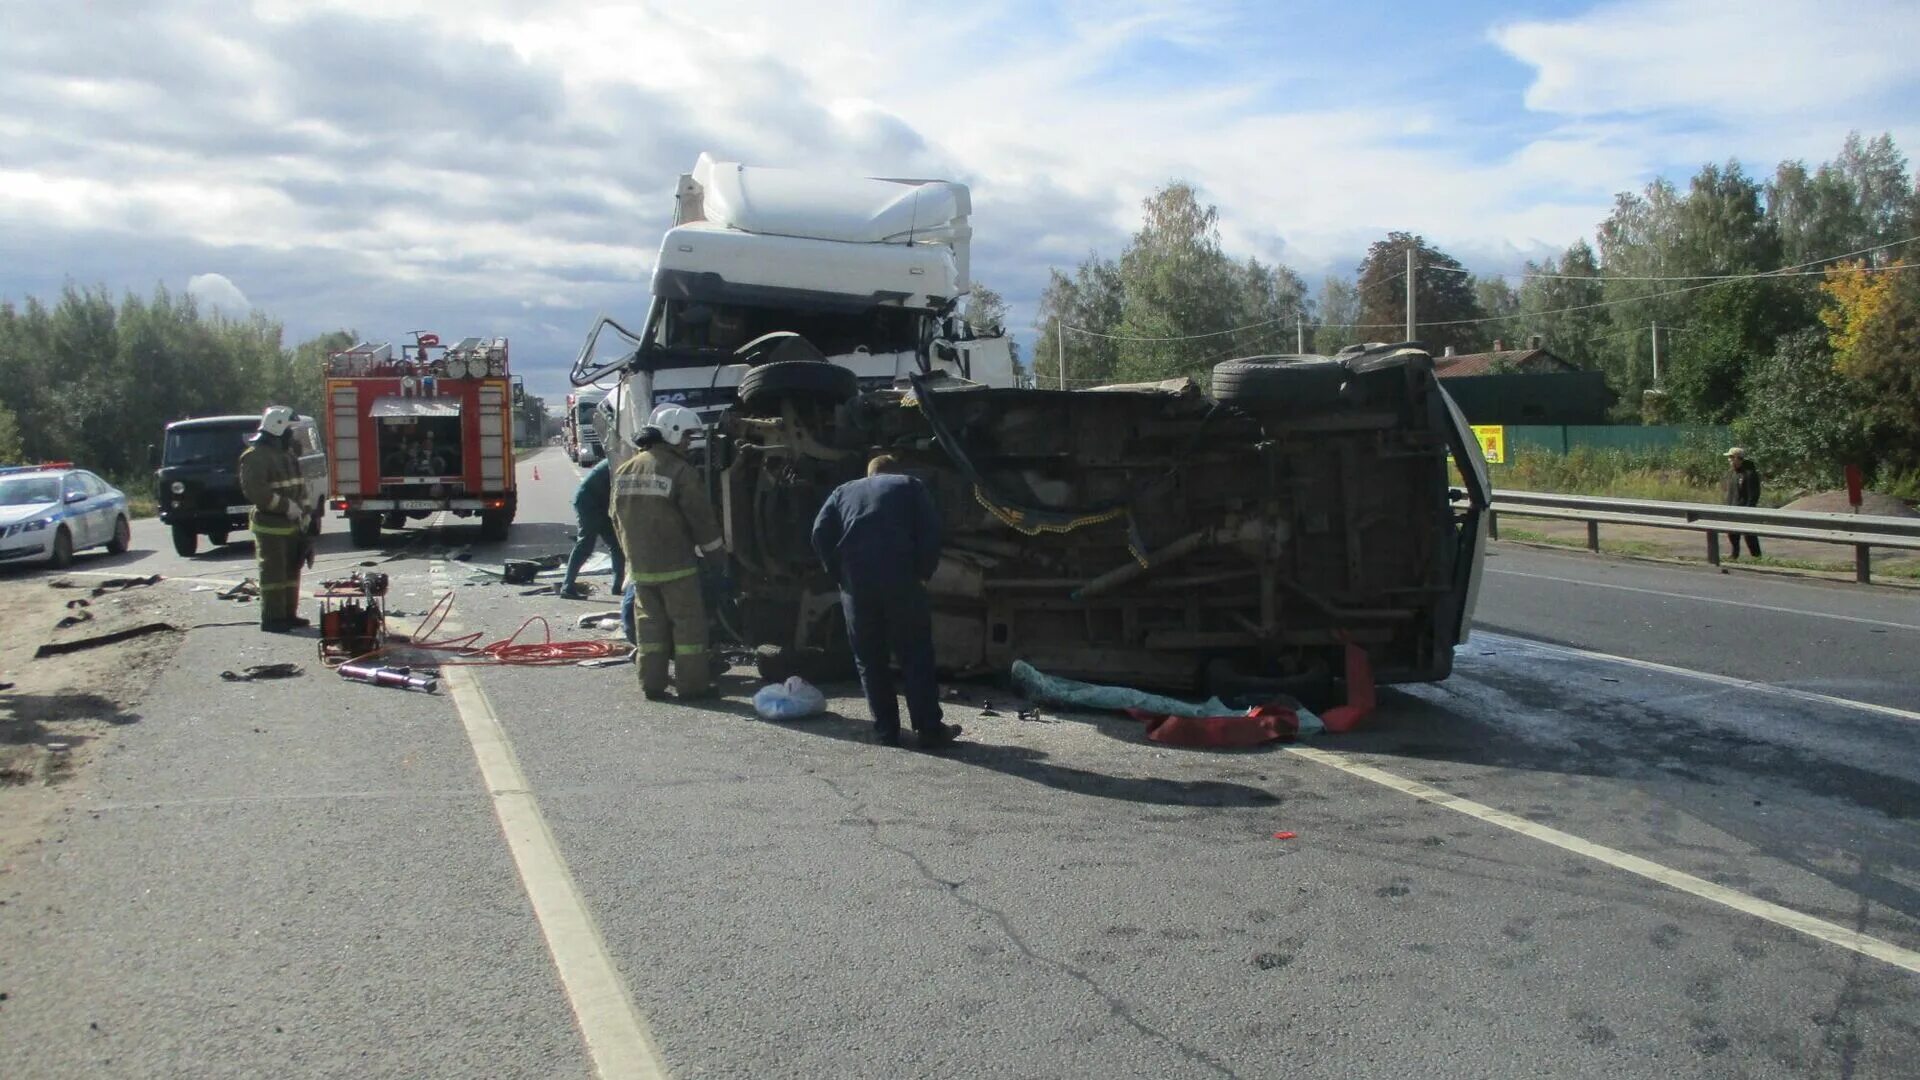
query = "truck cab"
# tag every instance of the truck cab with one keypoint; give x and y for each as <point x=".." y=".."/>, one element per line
<point x="867" y="270"/>
<point x="197" y="484"/>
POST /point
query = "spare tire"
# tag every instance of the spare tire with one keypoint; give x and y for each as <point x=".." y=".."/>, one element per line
<point x="1290" y="384"/>
<point x="765" y="386"/>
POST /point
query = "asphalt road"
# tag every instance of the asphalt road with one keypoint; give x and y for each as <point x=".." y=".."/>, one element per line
<point x="311" y="878"/>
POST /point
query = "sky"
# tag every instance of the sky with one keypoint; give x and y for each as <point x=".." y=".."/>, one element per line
<point x="506" y="167"/>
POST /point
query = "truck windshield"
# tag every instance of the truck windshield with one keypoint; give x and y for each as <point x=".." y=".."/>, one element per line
<point x="206" y="445"/>
<point x="29" y="490"/>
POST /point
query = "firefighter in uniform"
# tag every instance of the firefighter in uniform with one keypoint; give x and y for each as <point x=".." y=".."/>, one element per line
<point x="664" y="522"/>
<point x="270" y="478"/>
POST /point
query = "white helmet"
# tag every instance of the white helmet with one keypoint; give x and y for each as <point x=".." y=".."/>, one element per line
<point x="276" y="420"/>
<point x="674" y="422"/>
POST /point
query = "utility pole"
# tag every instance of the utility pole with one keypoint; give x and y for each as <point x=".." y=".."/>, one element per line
<point x="1060" y="341"/>
<point x="1654" y="330"/>
<point x="1299" y="334"/>
<point x="1409" y="336"/>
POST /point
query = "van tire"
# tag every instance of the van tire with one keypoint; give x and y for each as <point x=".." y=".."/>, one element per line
<point x="764" y="387"/>
<point x="494" y="524"/>
<point x="1288" y="384"/>
<point x="364" y="530"/>
<point x="185" y="541"/>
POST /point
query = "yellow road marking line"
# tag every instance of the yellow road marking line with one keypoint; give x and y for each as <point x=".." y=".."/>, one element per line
<point x="1703" y="676"/>
<point x="617" y="1037"/>
<point x="1620" y="860"/>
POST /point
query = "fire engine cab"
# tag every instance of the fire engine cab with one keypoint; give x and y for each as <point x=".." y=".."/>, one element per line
<point x="426" y="430"/>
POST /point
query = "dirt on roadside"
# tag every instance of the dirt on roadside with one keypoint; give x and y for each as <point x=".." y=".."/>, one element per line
<point x="61" y="711"/>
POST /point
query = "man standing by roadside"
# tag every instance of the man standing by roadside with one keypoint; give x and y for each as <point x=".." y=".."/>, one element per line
<point x="879" y="539"/>
<point x="592" y="503"/>
<point x="270" y="478"/>
<point x="1740" y="488"/>
<point x="665" y="523"/>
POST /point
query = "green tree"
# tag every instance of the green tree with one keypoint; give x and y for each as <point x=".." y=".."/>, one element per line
<point x="1887" y="366"/>
<point x="10" y="452"/>
<point x="985" y="313"/>
<point x="1083" y="309"/>
<point x="1804" y="418"/>
<point x="1557" y="302"/>
<point x="1499" y="301"/>
<point x="1178" y="285"/>
<point x="1339" y="307"/>
<point x="1445" y="306"/>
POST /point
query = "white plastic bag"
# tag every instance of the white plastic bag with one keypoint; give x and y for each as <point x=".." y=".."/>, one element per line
<point x="791" y="700"/>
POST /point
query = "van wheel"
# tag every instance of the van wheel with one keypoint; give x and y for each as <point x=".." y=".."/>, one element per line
<point x="1289" y="384"/>
<point x="763" y="388"/>
<point x="122" y="537"/>
<point x="62" y="549"/>
<point x="364" y="529"/>
<point x="185" y="541"/>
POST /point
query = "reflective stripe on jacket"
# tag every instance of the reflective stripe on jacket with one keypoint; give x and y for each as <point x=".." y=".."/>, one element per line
<point x="662" y="515"/>
<point x="270" y="478"/>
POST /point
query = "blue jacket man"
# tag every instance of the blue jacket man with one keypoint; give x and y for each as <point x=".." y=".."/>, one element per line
<point x="879" y="539"/>
<point x="591" y="502"/>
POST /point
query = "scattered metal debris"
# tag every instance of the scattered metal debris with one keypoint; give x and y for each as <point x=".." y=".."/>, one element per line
<point x="248" y="589"/>
<point x="264" y="671"/>
<point x="64" y="647"/>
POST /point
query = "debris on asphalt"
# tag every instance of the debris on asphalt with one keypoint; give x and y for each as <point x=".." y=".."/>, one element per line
<point x="264" y="671"/>
<point x="248" y="589"/>
<point x="79" y="616"/>
<point x="989" y="710"/>
<point x="519" y="571"/>
<point x="1032" y="716"/>
<point x="597" y="620"/>
<point x="1209" y="724"/>
<point x="64" y="647"/>
<point x="1283" y="836"/>
<point x="608" y="661"/>
<point x="121" y="584"/>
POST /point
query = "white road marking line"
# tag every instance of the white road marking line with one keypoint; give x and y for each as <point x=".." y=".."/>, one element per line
<point x="1703" y="676"/>
<point x="616" y="1035"/>
<point x="1669" y="595"/>
<point x="1633" y="864"/>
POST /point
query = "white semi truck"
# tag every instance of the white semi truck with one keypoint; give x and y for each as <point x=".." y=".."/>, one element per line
<point x="869" y="271"/>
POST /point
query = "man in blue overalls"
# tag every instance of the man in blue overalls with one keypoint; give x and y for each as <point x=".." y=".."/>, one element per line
<point x="879" y="539"/>
<point x="591" y="508"/>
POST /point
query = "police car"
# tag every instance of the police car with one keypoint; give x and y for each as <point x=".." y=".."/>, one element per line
<point x="48" y="512"/>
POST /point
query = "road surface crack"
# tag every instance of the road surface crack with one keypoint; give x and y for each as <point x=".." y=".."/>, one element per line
<point x="1116" y="1005"/>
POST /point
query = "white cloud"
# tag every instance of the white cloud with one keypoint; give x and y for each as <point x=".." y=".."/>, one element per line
<point x="1728" y="58"/>
<point x="215" y="292"/>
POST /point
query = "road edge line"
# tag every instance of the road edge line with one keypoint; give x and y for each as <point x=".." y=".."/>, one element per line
<point x="1810" y="696"/>
<point x="1809" y="925"/>
<point x="617" y="1037"/>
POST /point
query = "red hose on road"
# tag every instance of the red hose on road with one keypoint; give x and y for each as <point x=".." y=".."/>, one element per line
<point x="510" y="649"/>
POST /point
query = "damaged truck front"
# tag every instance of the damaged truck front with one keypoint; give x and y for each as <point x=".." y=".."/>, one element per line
<point x="1147" y="535"/>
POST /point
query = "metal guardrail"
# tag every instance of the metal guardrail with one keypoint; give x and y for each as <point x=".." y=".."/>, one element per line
<point x="1862" y="532"/>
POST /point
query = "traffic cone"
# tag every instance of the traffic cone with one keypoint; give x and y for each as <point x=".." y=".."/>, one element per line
<point x="536" y="472"/>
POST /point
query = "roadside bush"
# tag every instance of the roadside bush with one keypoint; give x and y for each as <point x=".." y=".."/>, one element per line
<point x="1688" y="473"/>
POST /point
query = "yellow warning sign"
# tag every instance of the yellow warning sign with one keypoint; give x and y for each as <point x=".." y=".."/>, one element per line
<point x="1493" y="442"/>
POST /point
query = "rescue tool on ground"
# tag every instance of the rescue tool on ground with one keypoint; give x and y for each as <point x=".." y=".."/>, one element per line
<point x="421" y="431"/>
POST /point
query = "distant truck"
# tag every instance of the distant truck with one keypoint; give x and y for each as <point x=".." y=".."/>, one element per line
<point x="581" y="436"/>
<point x="869" y="271"/>
<point x="426" y="430"/>
<point x="198" y="479"/>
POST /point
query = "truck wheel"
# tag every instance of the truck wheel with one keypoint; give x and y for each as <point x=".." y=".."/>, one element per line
<point x="1293" y="384"/>
<point x="313" y="523"/>
<point x="122" y="537"/>
<point x="185" y="541"/>
<point x="763" y="387"/>
<point x="364" y="529"/>
<point x="62" y="549"/>
<point x="217" y="537"/>
<point x="493" y="524"/>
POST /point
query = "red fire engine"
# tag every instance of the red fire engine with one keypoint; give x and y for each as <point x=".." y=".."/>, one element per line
<point x="426" y="431"/>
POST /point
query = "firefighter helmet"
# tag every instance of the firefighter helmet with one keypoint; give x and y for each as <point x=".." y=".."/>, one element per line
<point x="674" y="422"/>
<point x="276" y="420"/>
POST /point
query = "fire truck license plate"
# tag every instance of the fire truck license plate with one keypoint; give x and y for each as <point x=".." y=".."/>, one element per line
<point x="241" y="509"/>
<point x="418" y="504"/>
